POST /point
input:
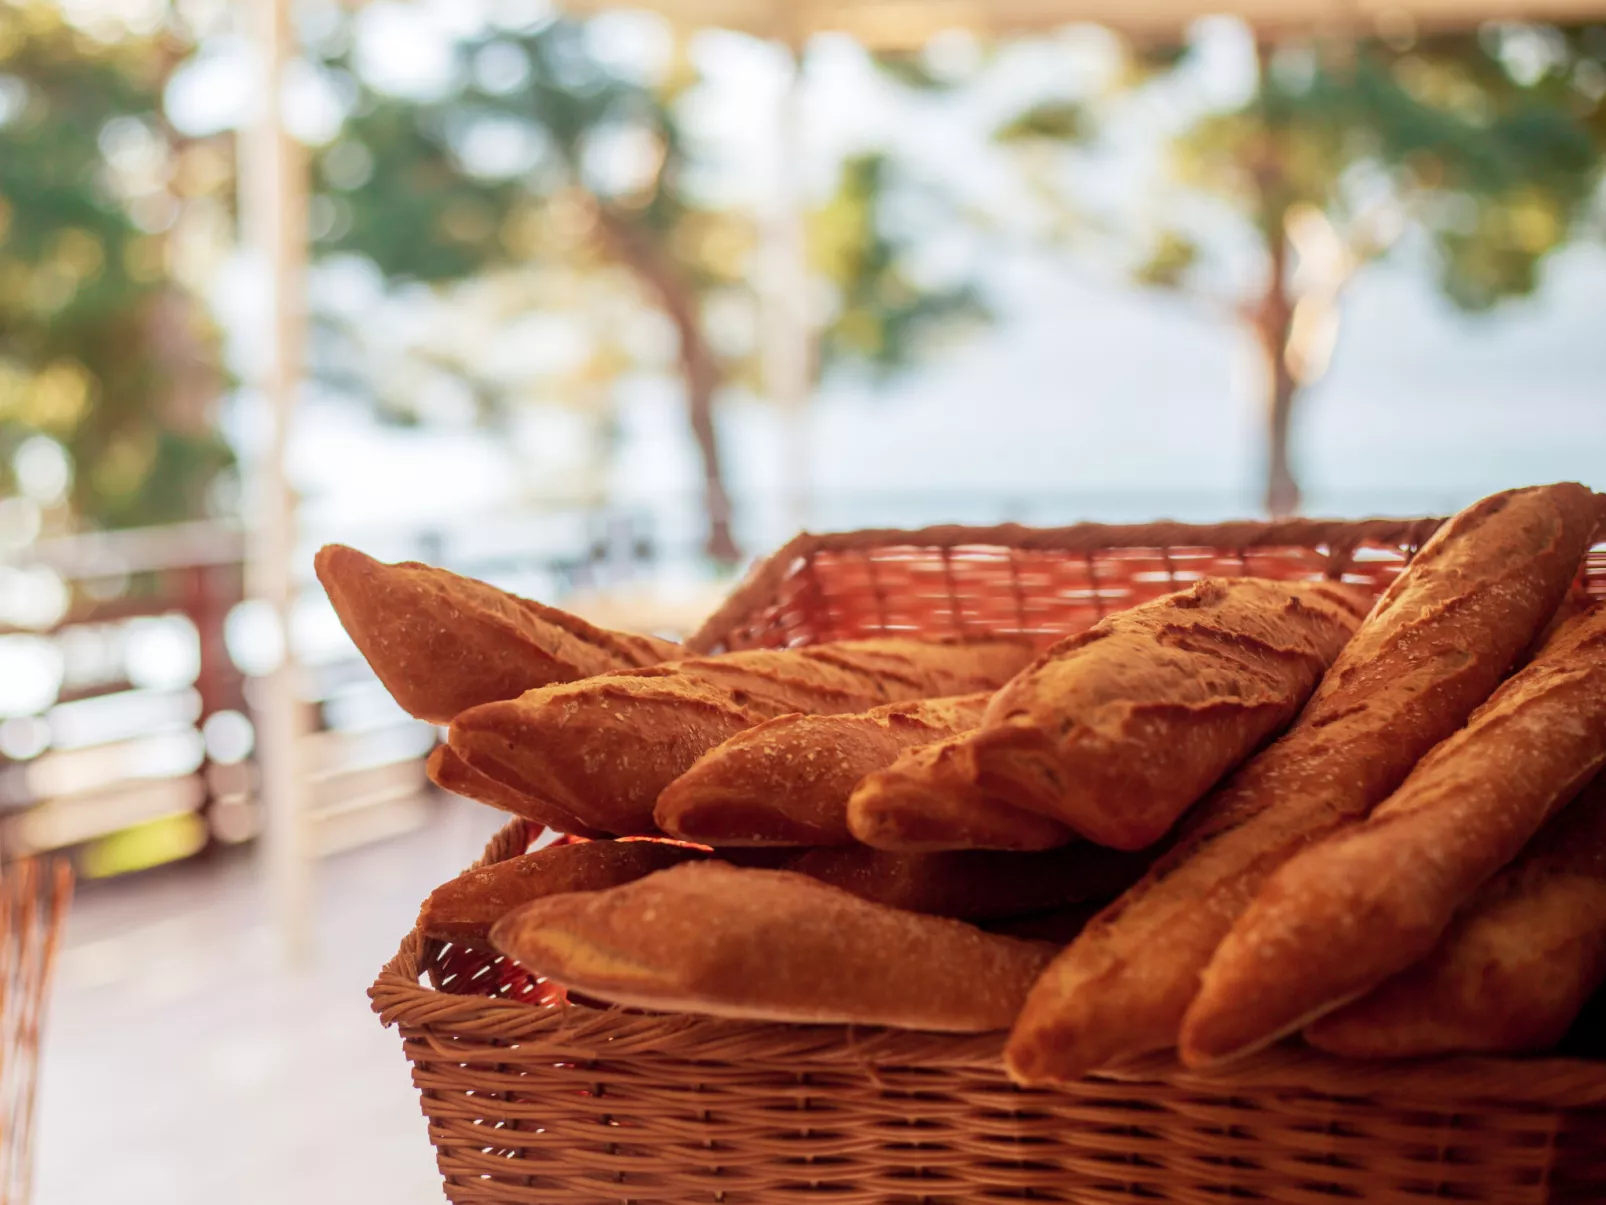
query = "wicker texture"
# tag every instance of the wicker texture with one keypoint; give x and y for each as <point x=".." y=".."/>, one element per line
<point x="532" y="1101"/>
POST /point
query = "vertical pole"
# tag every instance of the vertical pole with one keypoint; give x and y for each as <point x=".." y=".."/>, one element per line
<point x="274" y="201"/>
<point x="787" y="341"/>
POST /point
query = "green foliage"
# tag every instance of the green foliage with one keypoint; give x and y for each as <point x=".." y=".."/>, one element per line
<point x="94" y="339"/>
<point x="1065" y="121"/>
<point x="419" y="211"/>
<point x="1170" y="259"/>
<point x="884" y="315"/>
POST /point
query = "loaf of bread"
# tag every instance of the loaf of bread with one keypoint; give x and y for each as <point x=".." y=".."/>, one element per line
<point x="787" y="781"/>
<point x="975" y="884"/>
<point x="451" y="773"/>
<point x="1515" y="967"/>
<point x="708" y="937"/>
<point x="1438" y="642"/>
<point x="603" y="749"/>
<point x="441" y="643"/>
<point x="1115" y="731"/>
<point x="1344" y="914"/>
<point x="464" y="909"/>
<point x="927" y="802"/>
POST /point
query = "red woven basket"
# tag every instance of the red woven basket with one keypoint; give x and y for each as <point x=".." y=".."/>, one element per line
<point x="537" y="1102"/>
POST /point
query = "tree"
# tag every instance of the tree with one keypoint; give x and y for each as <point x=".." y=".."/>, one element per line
<point x="102" y="356"/>
<point x="1488" y="144"/>
<point x="543" y="160"/>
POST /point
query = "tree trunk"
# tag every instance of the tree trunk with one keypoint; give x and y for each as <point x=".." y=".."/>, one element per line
<point x="699" y="369"/>
<point x="1273" y="316"/>
<point x="1273" y="320"/>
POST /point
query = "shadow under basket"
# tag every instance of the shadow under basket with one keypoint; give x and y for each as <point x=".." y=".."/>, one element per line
<point x="537" y="1101"/>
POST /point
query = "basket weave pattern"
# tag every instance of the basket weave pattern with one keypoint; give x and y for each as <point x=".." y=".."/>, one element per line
<point x="532" y="1100"/>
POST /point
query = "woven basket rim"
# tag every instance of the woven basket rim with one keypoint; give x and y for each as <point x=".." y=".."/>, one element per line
<point x="1342" y="537"/>
<point x="480" y="1026"/>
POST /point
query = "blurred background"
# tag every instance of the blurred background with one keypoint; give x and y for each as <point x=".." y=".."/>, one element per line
<point x="600" y="303"/>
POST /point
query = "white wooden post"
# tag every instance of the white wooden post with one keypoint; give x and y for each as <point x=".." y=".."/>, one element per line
<point x="273" y="204"/>
<point x="788" y="344"/>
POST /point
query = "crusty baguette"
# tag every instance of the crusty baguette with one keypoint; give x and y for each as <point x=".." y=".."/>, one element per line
<point x="1115" y="731"/>
<point x="1515" y="967"/>
<point x="1437" y="643"/>
<point x="787" y="781"/>
<point x="466" y="908"/>
<point x="451" y="773"/>
<point x="1344" y="914"/>
<point x="442" y="643"/>
<point x="974" y="884"/>
<point x="604" y="749"/>
<point x="708" y="937"/>
<point x="927" y="802"/>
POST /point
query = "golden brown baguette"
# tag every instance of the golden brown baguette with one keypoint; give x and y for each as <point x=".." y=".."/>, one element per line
<point x="927" y="802"/>
<point x="451" y="773"/>
<point x="974" y="884"/>
<point x="708" y="937"/>
<point x="466" y="908"/>
<point x="1514" y="969"/>
<point x="1117" y="730"/>
<point x="787" y="781"/>
<point x="604" y="749"/>
<point x="1438" y="642"/>
<point x="442" y="643"/>
<point x="1344" y="914"/>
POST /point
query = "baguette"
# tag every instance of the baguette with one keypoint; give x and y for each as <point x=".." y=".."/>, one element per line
<point x="926" y="802"/>
<point x="441" y="643"/>
<point x="1514" y="969"/>
<point x="464" y="909"/>
<point x="708" y="937"/>
<point x="1115" y="731"/>
<point x="603" y="750"/>
<point x="1437" y="643"/>
<point x="974" y="884"/>
<point x="787" y="781"/>
<point x="451" y="773"/>
<point x="1343" y="915"/>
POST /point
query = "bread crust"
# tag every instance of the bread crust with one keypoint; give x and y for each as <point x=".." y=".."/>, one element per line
<point x="465" y="908"/>
<point x="602" y="750"/>
<point x="771" y="945"/>
<point x="1117" y="730"/>
<point x="442" y="643"/>
<point x="451" y="773"/>
<point x="1344" y="914"/>
<point x="1437" y="643"/>
<point x="787" y="781"/>
<point x="1515" y="967"/>
<point x="927" y="802"/>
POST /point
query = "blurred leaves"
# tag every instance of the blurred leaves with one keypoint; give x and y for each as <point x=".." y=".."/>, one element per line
<point x="98" y="348"/>
<point x="1064" y="121"/>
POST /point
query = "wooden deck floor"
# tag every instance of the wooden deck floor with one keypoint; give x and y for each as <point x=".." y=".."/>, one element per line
<point x="184" y="1066"/>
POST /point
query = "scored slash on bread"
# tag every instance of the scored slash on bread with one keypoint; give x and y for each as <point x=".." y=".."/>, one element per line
<point x="441" y="643"/>
<point x="604" y="749"/>
<point x="707" y="937"/>
<point x="1513" y="970"/>
<point x="787" y="781"/>
<point x="1437" y="643"/>
<point x="1341" y="916"/>
<point x="1114" y="731"/>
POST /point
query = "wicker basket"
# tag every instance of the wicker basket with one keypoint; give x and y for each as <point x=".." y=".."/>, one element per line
<point x="532" y="1101"/>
